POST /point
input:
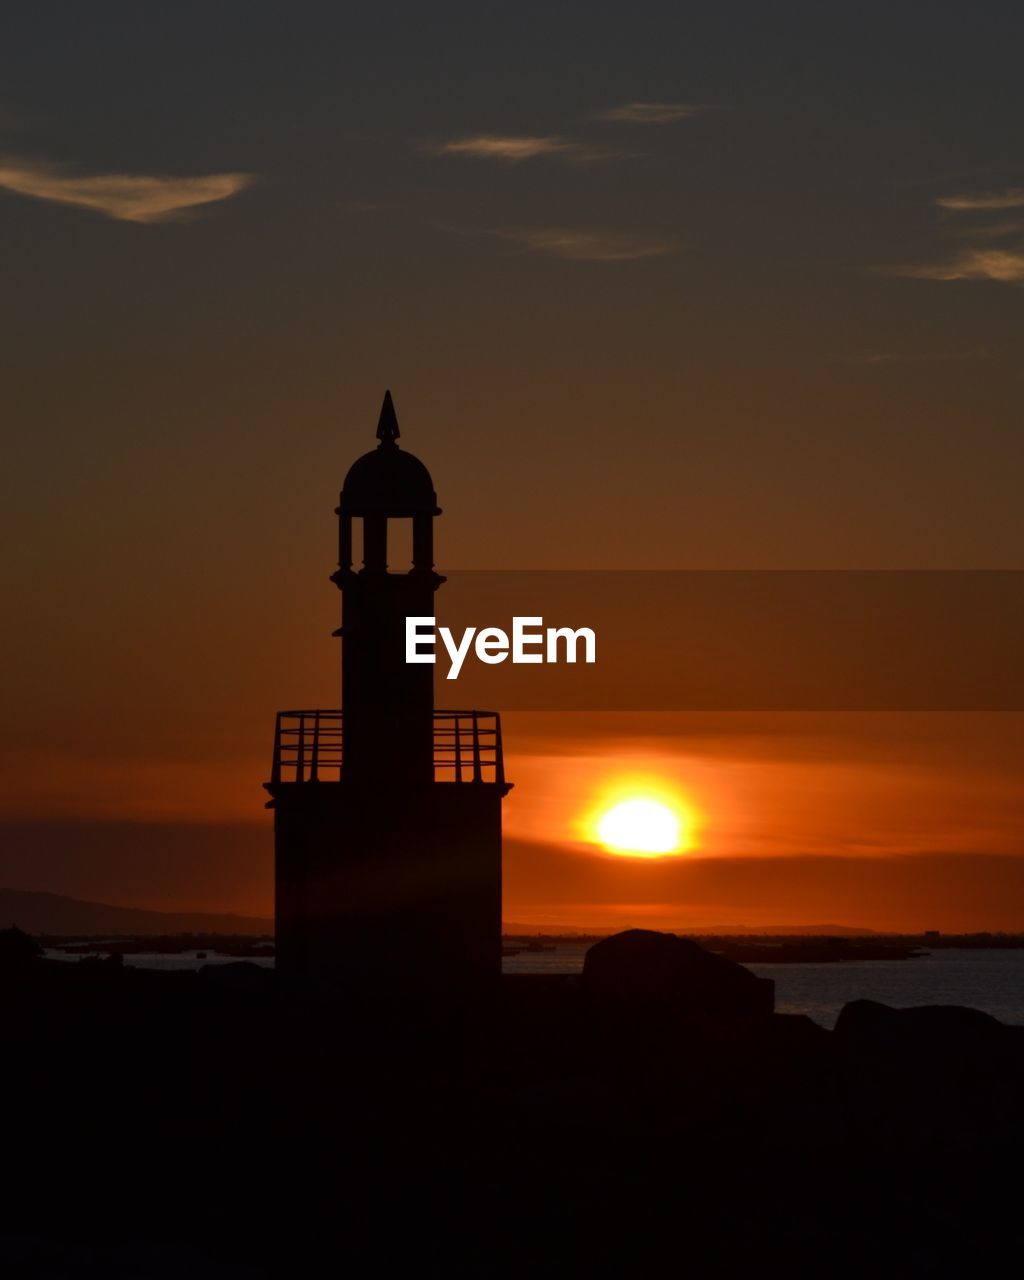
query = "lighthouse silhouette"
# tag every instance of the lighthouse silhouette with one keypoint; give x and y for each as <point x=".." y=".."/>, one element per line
<point x="387" y="812"/>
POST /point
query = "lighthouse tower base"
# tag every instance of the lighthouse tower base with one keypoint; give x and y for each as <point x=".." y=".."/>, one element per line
<point x="389" y="896"/>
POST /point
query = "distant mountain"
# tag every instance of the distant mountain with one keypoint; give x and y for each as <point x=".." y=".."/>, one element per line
<point x="783" y="930"/>
<point x="52" y="913"/>
<point x="512" y="929"/>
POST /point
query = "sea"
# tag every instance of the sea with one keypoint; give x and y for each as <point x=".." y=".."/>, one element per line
<point x="981" y="979"/>
<point x="989" y="980"/>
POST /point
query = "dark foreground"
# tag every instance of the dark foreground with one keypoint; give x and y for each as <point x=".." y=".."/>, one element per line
<point x="200" y="1124"/>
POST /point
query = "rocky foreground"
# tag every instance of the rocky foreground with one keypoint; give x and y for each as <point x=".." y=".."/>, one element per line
<point x="651" y="1116"/>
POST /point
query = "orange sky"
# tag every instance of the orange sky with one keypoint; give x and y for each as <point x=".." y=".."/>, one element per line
<point x="694" y="299"/>
<point x="143" y="693"/>
<point x="881" y="820"/>
<point x="904" y="821"/>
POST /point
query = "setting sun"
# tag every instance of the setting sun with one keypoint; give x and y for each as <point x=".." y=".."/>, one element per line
<point x="640" y="826"/>
<point x="640" y="817"/>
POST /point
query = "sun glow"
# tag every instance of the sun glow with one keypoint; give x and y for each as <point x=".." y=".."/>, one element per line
<point x="641" y="821"/>
<point x="639" y="826"/>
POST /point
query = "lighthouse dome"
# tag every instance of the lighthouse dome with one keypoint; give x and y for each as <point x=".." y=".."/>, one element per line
<point x="388" y="481"/>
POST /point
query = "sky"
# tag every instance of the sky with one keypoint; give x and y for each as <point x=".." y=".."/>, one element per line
<point x="658" y="286"/>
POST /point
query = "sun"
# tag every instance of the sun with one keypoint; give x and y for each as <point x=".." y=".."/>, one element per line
<point x="640" y="826"/>
<point x="646" y="821"/>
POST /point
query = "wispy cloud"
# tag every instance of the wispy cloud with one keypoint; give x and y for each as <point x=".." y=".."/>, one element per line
<point x="515" y="148"/>
<point x="1006" y="266"/>
<point x="588" y="246"/>
<point x="653" y="112"/>
<point x="126" y="197"/>
<point x="1013" y="198"/>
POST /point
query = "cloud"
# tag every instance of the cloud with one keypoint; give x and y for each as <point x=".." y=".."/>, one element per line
<point x="653" y="112"/>
<point x="898" y="891"/>
<point x="989" y="262"/>
<point x="515" y="148"/>
<point x="126" y="197"/>
<point x="1006" y="266"/>
<point x="1010" y="199"/>
<point x="588" y="246"/>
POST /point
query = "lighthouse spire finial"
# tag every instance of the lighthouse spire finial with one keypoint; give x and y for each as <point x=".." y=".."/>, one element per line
<point x="387" y="426"/>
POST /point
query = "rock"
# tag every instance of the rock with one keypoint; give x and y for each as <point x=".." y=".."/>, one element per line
<point x="926" y="1028"/>
<point x="17" y="948"/>
<point x="936" y="1076"/>
<point x="645" y="971"/>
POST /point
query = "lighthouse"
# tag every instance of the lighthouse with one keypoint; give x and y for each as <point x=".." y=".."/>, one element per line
<point x="387" y="811"/>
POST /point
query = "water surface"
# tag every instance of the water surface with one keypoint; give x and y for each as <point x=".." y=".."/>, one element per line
<point x="988" y="980"/>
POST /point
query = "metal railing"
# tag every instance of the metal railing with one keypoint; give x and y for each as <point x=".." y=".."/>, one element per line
<point x="309" y="747"/>
<point x="467" y="747"/>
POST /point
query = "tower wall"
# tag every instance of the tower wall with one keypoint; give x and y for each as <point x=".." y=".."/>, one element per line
<point x="389" y="703"/>
<point x="389" y="896"/>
